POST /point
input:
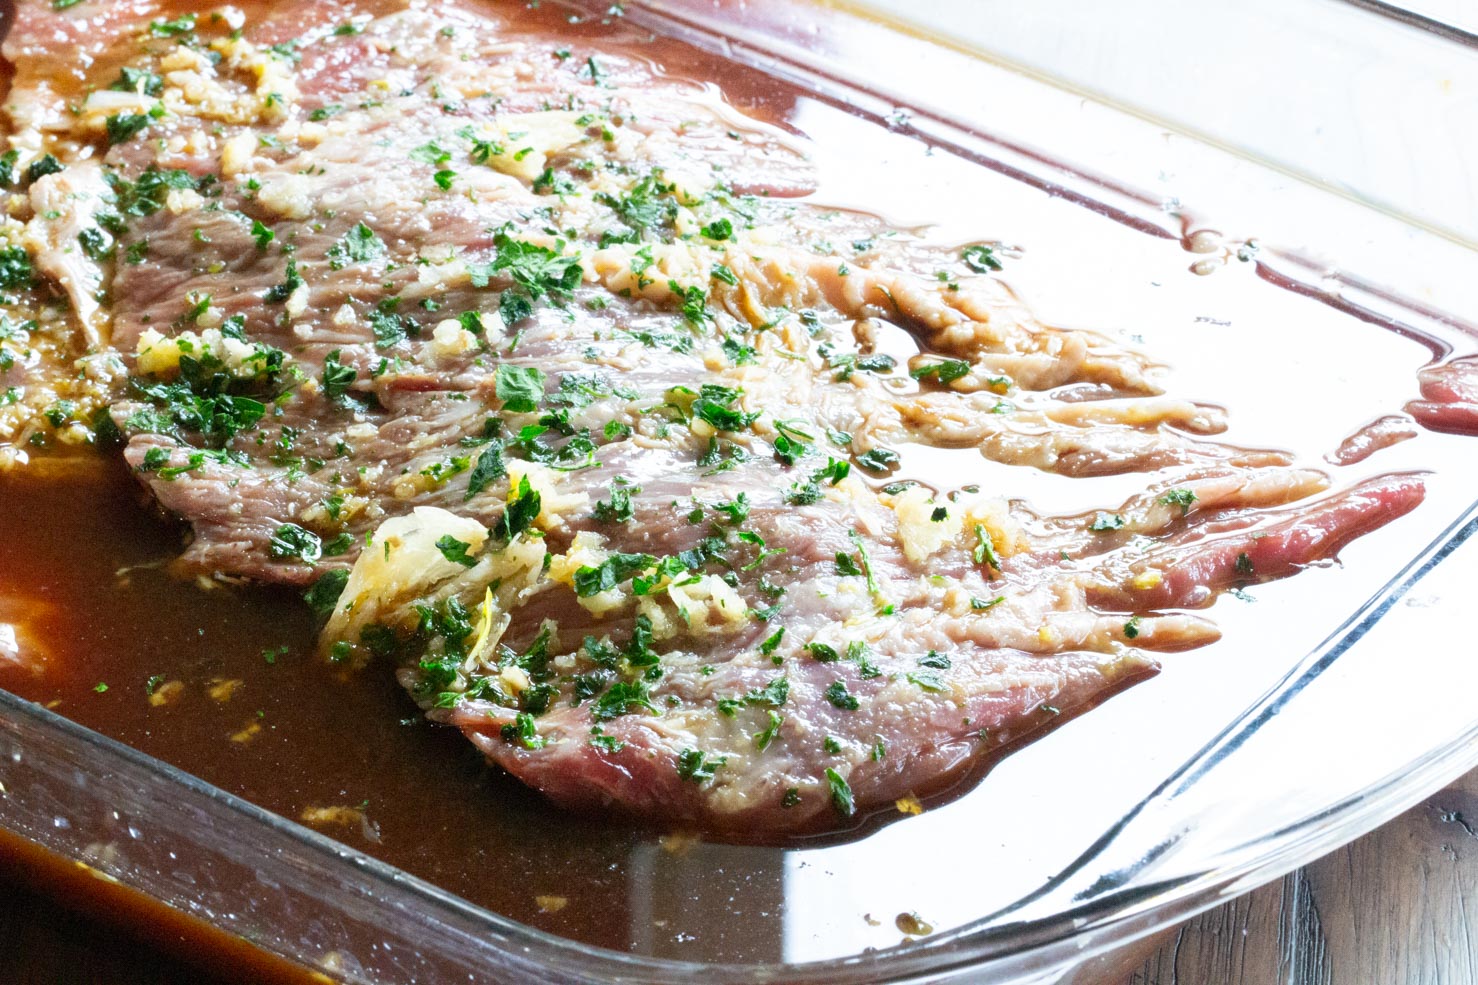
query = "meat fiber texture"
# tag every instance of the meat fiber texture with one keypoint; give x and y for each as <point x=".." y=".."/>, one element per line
<point x="535" y="369"/>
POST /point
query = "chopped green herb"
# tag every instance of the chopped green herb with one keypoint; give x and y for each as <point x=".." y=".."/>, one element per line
<point x="821" y="652"/>
<point x="15" y="268"/>
<point x="985" y="548"/>
<point x="455" y="551"/>
<point x="927" y="680"/>
<point x="324" y="594"/>
<point x="520" y="388"/>
<point x="524" y="504"/>
<point x="840" y="697"/>
<point x="184" y="24"/>
<point x="945" y="372"/>
<point x="772" y="642"/>
<point x="522" y="731"/>
<point x="841" y="793"/>
<point x="488" y="469"/>
<point x="358" y="245"/>
<point x="618" y="508"/>
<point x="592" y="580"/>
<point x="291" y="282"/>
<point x="1178" y="497"/>
<point x="292" y="541"/>
<point x="123" y="127"/>
<point x="261" y="234"/>
<point x="763" y="739"/>
<point x="608" y="744"/>
<point x="693" y="765"/>
<point x="620" y="700"/>
<point x="980" y="258"/>
<point x="718" y="229"/>
<point x="337" y="378"/>
<point x="878" y="459"/>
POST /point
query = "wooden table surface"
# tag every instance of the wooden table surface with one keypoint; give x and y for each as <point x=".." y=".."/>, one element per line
<point x="1389" y="909"/>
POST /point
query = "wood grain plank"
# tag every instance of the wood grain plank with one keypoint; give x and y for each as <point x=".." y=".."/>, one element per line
<point x="1397" y="906"/>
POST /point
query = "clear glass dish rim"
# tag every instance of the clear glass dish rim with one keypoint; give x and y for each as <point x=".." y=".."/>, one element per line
<point x="1067" y="937"/>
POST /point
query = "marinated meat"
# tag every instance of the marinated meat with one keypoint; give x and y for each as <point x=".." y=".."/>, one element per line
<point x="1449" y="396"/>
<point x="542" y="375"/>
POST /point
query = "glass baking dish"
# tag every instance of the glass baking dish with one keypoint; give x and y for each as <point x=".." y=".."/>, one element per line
<point x="1314" y="720"/>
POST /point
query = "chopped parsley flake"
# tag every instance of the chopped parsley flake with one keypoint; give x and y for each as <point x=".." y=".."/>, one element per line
<point x="358" y="245"/>
<point x="980" y="258"/>
<point x="520" y="388"/>
<point x="840" y="697"/>
<point x="292" y="541"/>
<point x="841" y="793"/>
<point x="455" y="551"/>
<point x="693" y="765"/>
<point x="1178" y="497"/>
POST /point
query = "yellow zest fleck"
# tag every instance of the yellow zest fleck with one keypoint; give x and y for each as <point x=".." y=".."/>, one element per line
<point x="909" y="805"/>
<point x="484" y="626"/>
<point x="1147" y="579"/>
<point x="247" y="734"/>
<point x="346" y="816"/>
<point x="221" y="690"/>
<point x="551" y="904"/>
<point x="166" y="693"/>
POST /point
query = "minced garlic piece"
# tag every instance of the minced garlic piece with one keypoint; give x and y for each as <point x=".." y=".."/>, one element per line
<point x="919" y="534"/>
<point x="288" y="195"/>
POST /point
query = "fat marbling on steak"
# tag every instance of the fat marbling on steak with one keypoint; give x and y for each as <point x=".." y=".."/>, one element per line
<point x="539" y="370"/>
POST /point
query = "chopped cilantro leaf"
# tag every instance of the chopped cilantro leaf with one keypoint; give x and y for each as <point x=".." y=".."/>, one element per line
<point x="489" y="468"/>
<point x="292" y="541"/>
<point x="324" y="594"/>
<point x="520" y="388"/>
<point x="945" y="372"/>
<point x="524" y="504"/>
<point x="718" y="229"/>
<point x="337" y="378"/>
<point x="592" y="580"/>
<point x="358" y="245"/>
<point x="1178" y="497"/>
<point x="455" y="550"/>
<point x="693" y="765"/>
<point x="841" y="793"/>
<point x="980" y="258"/>
<point x="840" y="697"/>
<point x="123" y="127"/>
<point x="620" y="700"/>
<point x="878" y="459"/>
